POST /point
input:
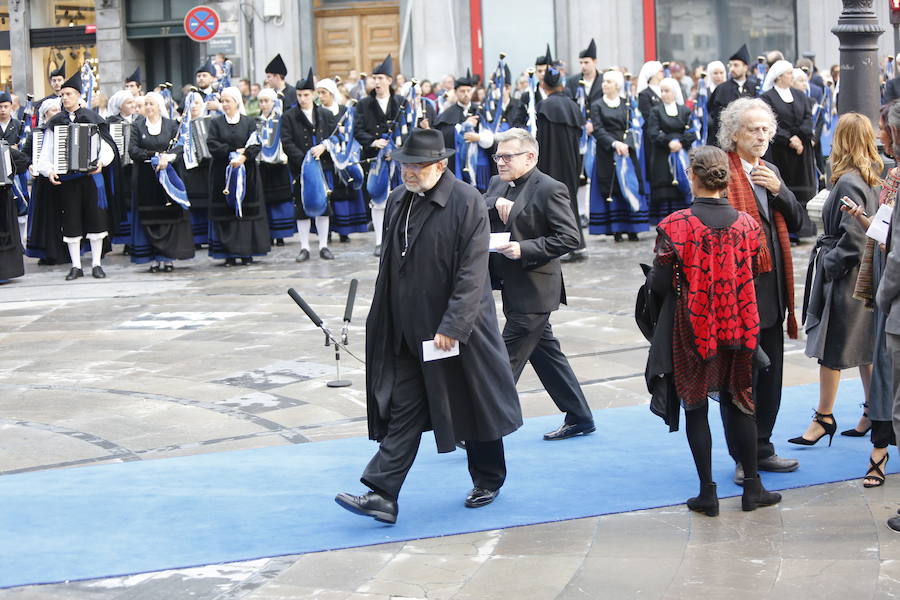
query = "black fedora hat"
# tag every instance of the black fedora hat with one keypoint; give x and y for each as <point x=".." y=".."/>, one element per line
<point x="423" y="146"/>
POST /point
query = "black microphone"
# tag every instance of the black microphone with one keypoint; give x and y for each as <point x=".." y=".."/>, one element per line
<point x="306" y="307"/>
<point x="351" y="298"/>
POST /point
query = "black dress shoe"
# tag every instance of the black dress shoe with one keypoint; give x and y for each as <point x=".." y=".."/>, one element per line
<point x="279" y="242"/>
<point x="325" y="254"/>
<point x="377" y="250"/>
<point x="894" y="524"/>
<point x="776" y="464"/>
<point x="566" y="431"/>
<point x="479" y="497"/>
<point x="370" y="504"/>
<point x="303" y="256"/>
<point x="345" y="239"/>
<point x="97" y="272"/>
<point x="74" y="273"/>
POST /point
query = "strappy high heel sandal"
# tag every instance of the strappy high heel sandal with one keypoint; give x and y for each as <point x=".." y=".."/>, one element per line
<point x="877" y="469"/>
<point x="856" y="432"/>
<point x="829" y="428"/>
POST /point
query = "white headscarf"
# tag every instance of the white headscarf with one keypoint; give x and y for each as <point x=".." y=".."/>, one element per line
<point x="118" y="99"/>
<point x="775" y="71"/>
<point x="46" y="106"/>
<point x="328" y="84"/>
<point x="160" y="102"/>
<point x="235" y="94"/>
<point x="675" y="87"/>
<point x="268" y="93"/>
<point x="709" y="68"/>
<point x="647" y="71"/>
<point x="801" y="73"/>
<point x="616" y="77"/>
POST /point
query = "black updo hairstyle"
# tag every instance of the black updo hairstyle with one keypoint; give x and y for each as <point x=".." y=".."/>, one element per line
<point x="710" y="165"/>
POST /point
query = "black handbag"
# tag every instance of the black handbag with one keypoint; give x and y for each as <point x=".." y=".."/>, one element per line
<point x="646" y="308"/>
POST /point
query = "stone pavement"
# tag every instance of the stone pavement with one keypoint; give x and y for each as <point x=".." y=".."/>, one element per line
<point x="211" y="359"/>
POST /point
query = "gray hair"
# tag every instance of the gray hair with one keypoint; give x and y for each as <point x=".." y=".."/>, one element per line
<point x="730" y="120"/>
<point x="525" y="140"/>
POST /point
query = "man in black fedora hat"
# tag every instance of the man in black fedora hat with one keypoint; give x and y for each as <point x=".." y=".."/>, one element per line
<point x="433" y="294"/>
<point x="740" y="84"/>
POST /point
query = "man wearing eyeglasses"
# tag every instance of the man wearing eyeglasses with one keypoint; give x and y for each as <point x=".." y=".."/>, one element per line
<point x="433" y="285"/>
<point x="534" y="208"/>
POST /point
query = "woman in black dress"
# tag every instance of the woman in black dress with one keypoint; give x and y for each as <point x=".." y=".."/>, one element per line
<point x="611" y="213"/>
<point x="648" y="97"/>
<point x="196" y="176"/>
<point x="668" y="131"/>
<point x="234" y="236"/>
<point x="274" y="172"/>
<point x="792" y="149"/>
<point x="117" y="176"/>
<point x="162" y="227"/>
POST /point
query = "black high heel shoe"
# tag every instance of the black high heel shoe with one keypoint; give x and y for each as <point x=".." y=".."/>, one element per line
<point x="829" y="428"/>
<point x="707" y="502"/>
<point x="856" y="432"/>
<point x="877" y="469"/>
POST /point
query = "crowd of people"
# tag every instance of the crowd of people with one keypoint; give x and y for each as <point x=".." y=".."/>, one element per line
<point x="723" y="161"/>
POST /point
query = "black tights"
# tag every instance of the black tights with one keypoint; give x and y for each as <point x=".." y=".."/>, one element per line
<point x="740" y="431"/>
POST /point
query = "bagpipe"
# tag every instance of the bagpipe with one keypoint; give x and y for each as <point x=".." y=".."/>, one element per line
<point x="678" y="164"/>
<point x="699" y="116"/>
<point x="587" y="145"/>
<point x="378" y="182"/>
<point x="626" y="175"/>
<point x="491" y="112"/>
<point x="27" y="120"/>
<point x="235" y="185"/>
<point x="88" y="81"/>
<point x="345" y="149"/>
<point x="667" y="69"/>
<point x="165" y="90"/>
<point x="168" y="178"/>
<point x="825" y="117"/>
<point x="761" y="69"/>
<point x="475" y="168"/>
<point x="269" y="133"/>
<point x="531" y="107"/>
<point x="224" y="72"/>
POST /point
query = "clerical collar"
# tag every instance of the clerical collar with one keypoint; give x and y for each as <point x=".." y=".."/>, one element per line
<point x="523" y="179"/>
<point x="233" y="120"/>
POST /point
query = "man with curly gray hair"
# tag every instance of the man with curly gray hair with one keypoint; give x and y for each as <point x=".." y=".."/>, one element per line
<point x="746" y="127"/>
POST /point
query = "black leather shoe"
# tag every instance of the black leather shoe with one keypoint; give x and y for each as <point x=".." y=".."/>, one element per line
<point x="369" y="504"/>
<point x="325" y="254"/>
<point x="479" y="497"/>
<point x="74" y="274"/>
<point x="776" y="464"/>
<point x="894" y="524"/>
<point x="345" y="239"/>
<point x="566" y="431"/>
<point x="377" y="251"/>
<point x="303" y="256"/>
<point x="97" y="273"/>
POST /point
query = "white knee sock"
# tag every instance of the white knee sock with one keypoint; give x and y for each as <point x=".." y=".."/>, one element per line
<point x="23" y="229"/>
<point x="378" y="222"/>
<point x="96" y="251"/>
<point x="304" y="225"/>
<point x="322" y="229"/>
<point x="584" y="200"/>
<point x="75" y="252"/>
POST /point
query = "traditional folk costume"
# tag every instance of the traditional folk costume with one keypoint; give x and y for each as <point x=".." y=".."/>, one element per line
<point x="667" y="122"/>
<point x="274" y="172"/>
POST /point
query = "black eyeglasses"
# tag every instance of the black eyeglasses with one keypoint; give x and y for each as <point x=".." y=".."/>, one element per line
<point x="505" y="158"/>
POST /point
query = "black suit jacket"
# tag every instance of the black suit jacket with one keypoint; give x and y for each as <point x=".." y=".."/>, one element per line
<point x="543" y="223"/>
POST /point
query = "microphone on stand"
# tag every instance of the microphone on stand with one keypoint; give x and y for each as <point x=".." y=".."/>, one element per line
<point x="348" y="310"/>
<point x="306" y="307"/>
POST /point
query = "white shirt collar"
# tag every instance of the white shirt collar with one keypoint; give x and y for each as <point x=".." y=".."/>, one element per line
<point x="154" y="129"/>
<point x="233" y="120"/>
<point x="613" y="103"/>
<point x="383" y="102"/>
<point x="785" y="94"/>
<point x="748" y="166"/>
<point x="308" y="113"/>
<point x="671" y="109"/>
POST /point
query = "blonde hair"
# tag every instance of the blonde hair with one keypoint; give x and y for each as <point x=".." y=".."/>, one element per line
<point x="853" y="149"/>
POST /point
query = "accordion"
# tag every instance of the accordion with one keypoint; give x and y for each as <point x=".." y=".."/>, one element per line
<point x="270" y="146"/>
<point x="77" y="148"/>
<point x="6" y="165"/>
<point x="199" y="133"/>
<point x="121" y="135"/>
<point x="37" y="142"/>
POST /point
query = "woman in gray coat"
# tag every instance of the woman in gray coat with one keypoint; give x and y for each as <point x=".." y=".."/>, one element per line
<point x="838" y="327"/>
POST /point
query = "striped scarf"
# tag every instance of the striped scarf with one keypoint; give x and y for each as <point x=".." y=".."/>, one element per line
<point x="741" y="197"/>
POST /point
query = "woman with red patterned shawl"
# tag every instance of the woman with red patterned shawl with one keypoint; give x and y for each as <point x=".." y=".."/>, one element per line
<point x="707" y="256"/>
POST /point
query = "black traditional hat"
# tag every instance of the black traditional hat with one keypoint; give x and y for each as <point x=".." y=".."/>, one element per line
<point x="385" y="68"/>
<point x="207" y="68"/>
<point x="309" y="83"/>
<point x="135" y="77"/>
<point x="546" y="59"/>
<point x="5" y="97"/>
<point x="467" y="80"/>
<point x="590" y="52"/>
<point x="552" y="77"/>
<point x="73" y="82"/>
<point x="60" y="72"/>
<point x="742" y="54"/>
<point x="276" y="66"/>
<point x="422" y="146"/>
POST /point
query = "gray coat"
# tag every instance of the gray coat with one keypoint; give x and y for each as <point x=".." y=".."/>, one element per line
<point x="838" y="327"/>
<point x="888" y="295"/>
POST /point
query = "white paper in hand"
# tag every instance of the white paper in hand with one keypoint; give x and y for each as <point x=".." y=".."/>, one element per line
<point x="430" y="351"/>
<point x="881" y="224"/>
<point x="498" y="239"/>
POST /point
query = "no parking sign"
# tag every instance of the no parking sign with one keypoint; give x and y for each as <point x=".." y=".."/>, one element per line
<point x="201" y="23"/>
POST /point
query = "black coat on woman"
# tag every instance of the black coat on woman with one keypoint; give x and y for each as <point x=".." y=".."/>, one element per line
<point x="665" y="198"/>
<point x="11" y="263"/>
<point x="298" y="135"/>
<point x="44" y="218"/>
<point x="118" y="180"/>
<point x="234" y="236"/>
<point x="798" y="171"/>
<point x="647" y="99"/>
<point x="165" y="225"/>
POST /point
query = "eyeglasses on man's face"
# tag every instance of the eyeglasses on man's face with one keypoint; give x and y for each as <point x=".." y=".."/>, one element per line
<point x="507" y="157"/>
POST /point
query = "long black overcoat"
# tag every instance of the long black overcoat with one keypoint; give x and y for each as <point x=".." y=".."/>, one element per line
<point x="446" y="290"/>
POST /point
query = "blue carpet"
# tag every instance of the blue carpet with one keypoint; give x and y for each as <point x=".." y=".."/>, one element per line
<point x="135" y="517"/>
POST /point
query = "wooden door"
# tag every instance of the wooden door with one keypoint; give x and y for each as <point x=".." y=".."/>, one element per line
<point x="356" y="35"/>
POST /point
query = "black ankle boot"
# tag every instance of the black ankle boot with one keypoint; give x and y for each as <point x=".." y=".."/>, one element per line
<point x="755" y="495"/>
<point x="707" y="502"/>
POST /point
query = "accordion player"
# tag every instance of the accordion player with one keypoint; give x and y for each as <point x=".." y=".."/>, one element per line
<point x="199" y="132"/>
<point x="121" y="135"/>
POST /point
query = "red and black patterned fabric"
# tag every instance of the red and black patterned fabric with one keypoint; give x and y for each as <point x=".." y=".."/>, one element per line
<point x="716" y="318"/>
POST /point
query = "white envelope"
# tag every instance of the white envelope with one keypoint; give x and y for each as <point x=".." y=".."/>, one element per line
<point x="881" y="224"/>
<point x="431" y="352"/>
<point x="498" y="239"/>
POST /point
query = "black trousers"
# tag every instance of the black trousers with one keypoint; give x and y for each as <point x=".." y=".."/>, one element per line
<point x="80" y="213"/>
<point x="409" y="417"/>
<point x="529" y="337"/>
<point x="766" y="392"/>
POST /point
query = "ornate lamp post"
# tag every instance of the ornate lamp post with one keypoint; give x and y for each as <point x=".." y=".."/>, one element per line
<point x="858" y="31"/>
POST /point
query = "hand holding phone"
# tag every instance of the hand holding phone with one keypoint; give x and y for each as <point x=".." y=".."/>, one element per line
<point x="851" y="205"/>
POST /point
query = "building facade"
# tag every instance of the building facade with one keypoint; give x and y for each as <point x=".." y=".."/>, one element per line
<point x="428" y="38"/>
